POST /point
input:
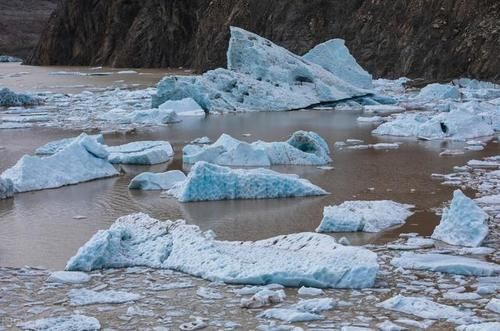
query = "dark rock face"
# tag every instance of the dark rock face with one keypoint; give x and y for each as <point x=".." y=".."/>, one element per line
<point x="21" y="24"/>
<point x="434" y="39"/>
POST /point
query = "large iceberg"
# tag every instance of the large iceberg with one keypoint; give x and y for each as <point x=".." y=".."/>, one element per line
<point x="208" y="181"/>
<point x="367" y="216"/>
<point x="9" y="98"/>
<point x="157" y="181"/>
<point x="463" y="223"/>
<point x="6" y="188"/>
<point x="335" y="57"/>
<point x="303" y="148"/>
<point x="446" y="263"/>
<point x="141" y="152"/>
<point x="82" y="160"/>
<point x="260" y="76"/>
<point x="303" y="259"/>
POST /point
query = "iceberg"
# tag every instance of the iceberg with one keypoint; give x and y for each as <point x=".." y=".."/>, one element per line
<point x="335" y="57"/>
<point x="141" y="152"/>
<point x="463" y="223"/>
<point x="437" y="91"/>
<point x="55" y="146"/>
<point x="424" y="308"/>
<point x="302" y="259"/>
<point x="68" y="277"/>
<point x="303" y="148"/>
<point x="9" y="98"/>
<point x="156" y="181"/>
<point x="260" y="76"/>
<point x="6" y="188"/>
<point x="208" y="182"/>
<point x="82" y="160"/>
<point x="63" y="323"/>
<point x="82" y="297"/>
<point x="446" y="263"/>
<point x="366" y="216"/>
<point x="183" y="107"/>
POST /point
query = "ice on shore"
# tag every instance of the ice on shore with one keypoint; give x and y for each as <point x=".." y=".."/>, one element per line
<point x="55" y="146"/>
<point x="157" y="181"/>
<point x="446" y="263"/>
<point x="335" y="57"/>
<point x="437" y="91"/>
<point x="82" y="297"/>
<point x="302" y="148"/>
<point x="82" y="160"/>
<point x="6" y="188"/>
<point x="424" y="308"/>
<point x="260" y="76"/>
<point x="9" y="98"/>
<point x="366" y="216"/>
<point x="303" y="259"/>
<point x="208" y="181"/>
<point x="463" y="223"/>
<point x="63" y="323"/>
<point x="183" y="107"/>
<point x="68" y="277"/>
<point x="141" y="152"/>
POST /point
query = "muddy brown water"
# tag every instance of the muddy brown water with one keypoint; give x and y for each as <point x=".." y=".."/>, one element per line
<point x="39" y="228"/>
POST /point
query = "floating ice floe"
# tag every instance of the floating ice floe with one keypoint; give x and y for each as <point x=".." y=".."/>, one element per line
<point x="208" y="181"/>
<point x="303" y="259"/>
<point x="446" y="263"/>
<point x="335" y="57"/>
<point x="437" y="91"/>
<point x="183" y="107"/>
<point x="9" y="98"/>
<point x="366" y="216"/>
<point x="6" y="188"/>
<point x="63" y="323"/>
<point x="488" y="326"/>
<point x="82" y="297"/>
<point x="141" y="152"/>
<point x="146" y="116"/>
<point x="68" y="277"/>
<point x="302" y="148"/>
<point x="305" y="310"/>
<point x="425" y="308"/>
<point x="58" y="145"/>
<point x="263" y="298"/>
<point x="494" y="305"/>
<point x="261" y="76"/>
<point x="82" y="160"/>
<point x="463" y="223"/>
<point x="413" y="244"/>
<point x="7" y="59"/>
<point x="157" y="181"/>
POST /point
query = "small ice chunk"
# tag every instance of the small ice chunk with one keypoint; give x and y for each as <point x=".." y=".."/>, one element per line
<point x="6" y="188"/>
<point x="310" y="291"/>
<point x="263" y="298"/>
<point x="81" y="297"/>
<point x="157" y="181"/>
<point x="290" y="315"/>
<point x="367" y="216"/>
<point x="183" y="107"/>
<point x="439" y="92"/>
<point x="463" y="223"/>
<point x="450" y="295"/>
<point x="68" y="277"/>
<point x="63" y="323"/>
<point x="9" y="98"/>
<point x="494" y="305"/>
<point x="141" y="152"/>
<point x="201" y="141"/>
<point x="390" y="326"/>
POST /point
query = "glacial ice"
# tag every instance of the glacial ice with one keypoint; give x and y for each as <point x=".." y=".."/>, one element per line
<point x="55" y="146"/>
<point x="488" y="326"/>
<point x="68" y="277"/>
<point x="335" y="57"/>
<point x="302" y="148"/>
<point x="208" y="181"/>
<point x="63" y="323"/>
<point x="303" y="259"/>
<point x="261" y="76"/>
<point x="304" y="310"/>
<point x="9" y="98"/>
<point x="183" y="107"/>
<point x="141" y="116"/>
<point x="424" y="308"/>
<point x="82" y="160"/>
<point x="437" y="91"/>
<point x="446" y="263"/>
<point x="463" y="223"/>
<point x="82" y="297"/>
<point x="157" y="181"/>
<point x="263" y="298"/>
<point x="6" y="188"/>
<point x="366" y="216"/>
<point x="494" y="305"/>
<point x="141" y="152"/>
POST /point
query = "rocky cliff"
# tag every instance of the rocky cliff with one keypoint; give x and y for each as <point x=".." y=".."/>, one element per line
<point x="435" y="39"/>
<point x="21" y="23"/>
